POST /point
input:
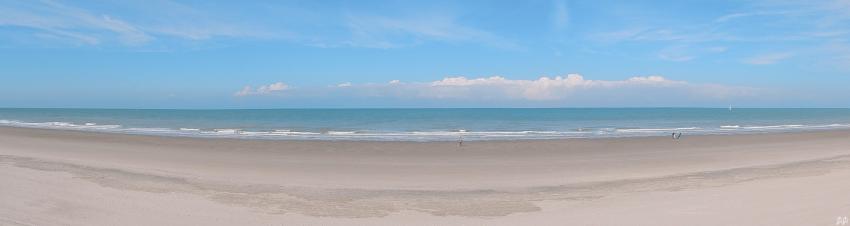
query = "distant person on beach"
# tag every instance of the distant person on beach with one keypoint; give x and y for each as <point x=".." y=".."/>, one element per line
<point x="460" y="138"/>
<point x="676" y="135"/>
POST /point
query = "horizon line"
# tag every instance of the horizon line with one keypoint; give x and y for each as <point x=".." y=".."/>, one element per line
<point x="402" y="108"/>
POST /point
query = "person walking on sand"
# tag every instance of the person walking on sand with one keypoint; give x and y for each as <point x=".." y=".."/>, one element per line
<point x="460" y="138"/>
<point x="676" y="135"/>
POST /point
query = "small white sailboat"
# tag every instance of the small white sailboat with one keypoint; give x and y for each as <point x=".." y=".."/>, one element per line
<point x="730" y="107"/>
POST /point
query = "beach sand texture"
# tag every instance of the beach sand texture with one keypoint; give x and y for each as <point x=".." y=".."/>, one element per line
<point x="52" y="177"/>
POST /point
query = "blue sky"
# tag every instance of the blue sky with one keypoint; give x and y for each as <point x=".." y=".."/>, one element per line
<point x="272" y="54"/>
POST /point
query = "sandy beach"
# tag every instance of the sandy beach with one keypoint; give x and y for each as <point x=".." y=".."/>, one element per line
<point x="52" y="177"/>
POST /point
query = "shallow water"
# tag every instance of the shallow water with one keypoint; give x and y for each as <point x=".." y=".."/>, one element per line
<point x="431" y="124"/>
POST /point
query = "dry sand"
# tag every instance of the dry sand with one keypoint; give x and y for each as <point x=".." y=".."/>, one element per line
<point x="50" y="177"/>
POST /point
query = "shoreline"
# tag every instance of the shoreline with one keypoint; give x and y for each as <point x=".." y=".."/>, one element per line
<point x="71" y="133"/>
<point x="466" y="136"/>
<point x="377" y="182"/>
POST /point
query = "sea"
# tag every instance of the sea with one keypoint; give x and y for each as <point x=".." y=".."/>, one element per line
<point x="431" y="124"/>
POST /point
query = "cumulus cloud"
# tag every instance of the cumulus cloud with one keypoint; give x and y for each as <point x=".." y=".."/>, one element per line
<point x="262" y="90"/>
<point x="571" y="88"/>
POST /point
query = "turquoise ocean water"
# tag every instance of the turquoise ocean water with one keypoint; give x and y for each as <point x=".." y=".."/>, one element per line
<point x="431" y="124"/>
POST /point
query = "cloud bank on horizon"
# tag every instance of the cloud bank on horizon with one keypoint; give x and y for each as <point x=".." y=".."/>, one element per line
<point x="563" y="89"/>
<point x="174" y="53"/>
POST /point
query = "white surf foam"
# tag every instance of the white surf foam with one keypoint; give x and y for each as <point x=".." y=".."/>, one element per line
<point x="444" y="135"/>
<point x="655" y="130"/>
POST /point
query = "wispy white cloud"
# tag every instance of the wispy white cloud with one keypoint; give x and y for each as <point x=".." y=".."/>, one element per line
<point x="62" y="35"/>
<point x="154" y="19"/>
<point x="840" y="52"/>
<point x="740" y="15"/>
<point x="693" y="34"/>
<point x="792" y="24"/>
<point x="263" y="90"/>
<point x="677" y="53"/>
<point x="138" y="23"/>
<point x="717" y="49"/>
<point x="681" y="53"/>
<point x="176" y="19"/>
<point x="770" y="58"/>
<point x="344" y="84"/>
<point x="375" y="31"/>
<point x="71" y="22"/>
<point x="561" y="15"/>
